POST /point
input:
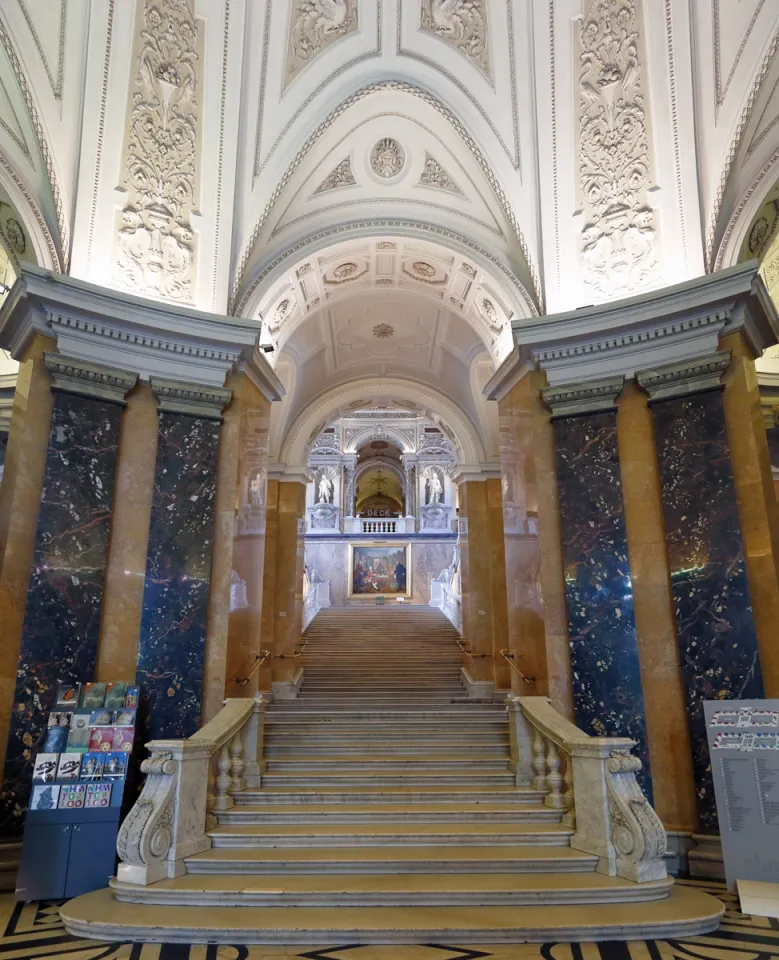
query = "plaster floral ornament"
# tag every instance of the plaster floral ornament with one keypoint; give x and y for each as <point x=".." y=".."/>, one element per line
<point x="383" y="330"/>
<point x="433" y="175"/>
<point x="423" y="269"/>
<point x="281" y="313"/>
<point x="156" y="245"/>
<point x="345" y="270"/>
<point x="387" y="158"/>
<point x="463" y="25"/>
<point x="618" y="241"/>
<point x="316" y="24"/>
<point x="490" y="314"/>
<point x="340" y="176"/>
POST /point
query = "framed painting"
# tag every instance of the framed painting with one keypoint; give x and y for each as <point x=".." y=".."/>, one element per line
<point x="379" y="569"/>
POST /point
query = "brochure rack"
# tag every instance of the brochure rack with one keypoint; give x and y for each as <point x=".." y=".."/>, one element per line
<point x="69" y="848"/>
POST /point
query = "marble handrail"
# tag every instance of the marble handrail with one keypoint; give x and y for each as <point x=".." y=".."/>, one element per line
<point x="597" y="792"/>
<point x="169" y="820"/>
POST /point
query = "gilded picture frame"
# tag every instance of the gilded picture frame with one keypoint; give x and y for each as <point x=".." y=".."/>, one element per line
<point x="379" y="568"/>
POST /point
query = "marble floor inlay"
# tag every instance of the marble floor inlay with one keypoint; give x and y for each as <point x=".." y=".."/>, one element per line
<point x="34" y="931"/>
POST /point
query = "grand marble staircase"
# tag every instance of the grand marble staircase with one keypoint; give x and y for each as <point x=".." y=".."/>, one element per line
<point x="384" y="807"/>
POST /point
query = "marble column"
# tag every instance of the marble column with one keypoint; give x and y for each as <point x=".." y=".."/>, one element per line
<point x="758" y="513"/>
<point x="607" y="691"/>
<point x="171" y="650"/>
<point x="268" y="614"/>
<point x="290" y="548"/>
<point x="251" y="411"/>
<point x="658" y="654"/>
<point x="20" y="497"/>
<point x="126" y="565"/>
<point x="483" y="576"/>
<point x="62" y="617"/>
<point x="537" y="617"/>
<point x="718" y="647"/>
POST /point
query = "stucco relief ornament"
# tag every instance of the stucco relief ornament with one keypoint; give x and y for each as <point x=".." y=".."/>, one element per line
<point x="619" y="239"/>
<point x="341" y="176"/>
<point x="382" y="331"/>
<point x="490" y="314"/>
<point x="463" y="24"/>
<point x="156" y="245"/>
<point x="316" y="24"/>
<point x="434" y="175"/>
<point x="387" y="158"/>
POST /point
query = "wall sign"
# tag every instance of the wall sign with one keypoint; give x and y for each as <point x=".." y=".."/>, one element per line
<point x="744" y="750"/>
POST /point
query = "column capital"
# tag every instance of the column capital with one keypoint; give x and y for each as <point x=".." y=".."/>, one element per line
<point x="89" y="379"/>
<point x="476" y="473"/>
<point x="287" y="474"/>
<point x="594" y="396"/>
<point x="687" y="377"/>
<point x="193" y="399"/>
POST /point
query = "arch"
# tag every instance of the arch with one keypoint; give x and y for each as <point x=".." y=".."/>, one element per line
<point x="427" y="400"/>
<point x="741" y="219"/>
<point x="238" y="299"/>
<point x="47" y="252"/>
<point x="368" y="433"/>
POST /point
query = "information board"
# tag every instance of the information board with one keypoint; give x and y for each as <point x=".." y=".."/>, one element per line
<point x="744" y="750"/>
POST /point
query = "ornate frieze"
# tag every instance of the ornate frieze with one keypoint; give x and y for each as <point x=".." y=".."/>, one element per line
<point x="316" y="24"/>
<point x="434" y="175"/>
<point x="619" y="237"/>
<point x="463" y="25"/>
<point x="387" y="158"/>
<point x="340" y="176"/>
<point x="155" y="244"/>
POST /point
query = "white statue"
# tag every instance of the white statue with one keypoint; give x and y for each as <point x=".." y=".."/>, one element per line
<point x="434" y="488"/>
<point x="325" y="489"/>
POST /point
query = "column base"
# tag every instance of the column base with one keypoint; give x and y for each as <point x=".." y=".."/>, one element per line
<point x="705" y="858"/>
<point x="477" y="689"/>
<point x="288" y="689"/>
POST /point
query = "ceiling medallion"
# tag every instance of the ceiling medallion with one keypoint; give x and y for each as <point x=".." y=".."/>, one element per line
<point x="345" y="270"/>
<point x="383" y="330"/>
<point x="387" y="158"/>
<point x="423" y="269"/>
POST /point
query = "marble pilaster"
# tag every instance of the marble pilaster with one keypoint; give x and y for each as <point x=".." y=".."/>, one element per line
<point x="716" y="632"/>
<point x="64" y="597"/>
<point x="607" y="690"/>
<point x="290" y="553"/>
<point x="664" y="703"/>
<point x="171" y="650"/>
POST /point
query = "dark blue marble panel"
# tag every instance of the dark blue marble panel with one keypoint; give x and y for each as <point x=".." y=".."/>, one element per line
<point x="607" y="692"/>
<point x="717" y="640"/>
<point x="178" y="566"/>
<point x="62" y="619"/>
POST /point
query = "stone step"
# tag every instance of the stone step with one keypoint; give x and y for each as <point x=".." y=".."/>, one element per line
<point x="282" y="747"/>
<point x="422" y="764"/>
<point x="353" y="813"/>
<point x="466" y="890"/>
<point x="333" y="794"/>
<point x="378" y="779"/>
<point x="391" y="860"/>
<point x="308" y="836"/>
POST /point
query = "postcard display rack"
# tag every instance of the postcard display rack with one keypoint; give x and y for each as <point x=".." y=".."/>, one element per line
<point x="78" y="792"/>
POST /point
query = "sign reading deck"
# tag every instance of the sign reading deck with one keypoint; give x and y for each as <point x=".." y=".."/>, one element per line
<point x="744" y="749"/>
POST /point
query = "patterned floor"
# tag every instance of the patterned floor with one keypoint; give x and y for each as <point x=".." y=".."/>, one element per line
<point x="34" y="932"/>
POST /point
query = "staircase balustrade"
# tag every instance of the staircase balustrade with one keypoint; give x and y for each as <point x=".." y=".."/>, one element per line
<point x="598" y="789"/>
<point x="169" y="820"/>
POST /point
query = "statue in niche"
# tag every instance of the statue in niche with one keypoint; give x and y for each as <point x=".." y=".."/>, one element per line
<point x="434" y="487"/>
<point x="325" y="494"/>
<point x="257" y="489"/>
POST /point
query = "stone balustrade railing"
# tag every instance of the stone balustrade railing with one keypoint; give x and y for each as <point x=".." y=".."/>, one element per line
<point x="379" y="526"/>
<point x="315" y="598"/>
<point x="169" y="820"/>
<point x="593" y="780"/>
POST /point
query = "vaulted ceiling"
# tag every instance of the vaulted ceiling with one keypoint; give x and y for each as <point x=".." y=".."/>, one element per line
<point x="535" y="156"/>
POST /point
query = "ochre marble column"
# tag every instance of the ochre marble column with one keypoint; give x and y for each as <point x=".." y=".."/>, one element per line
<point x="664" y="704"/>
<point x="20" y="496"/>
<point x="483" y="575"/>
<point x="290" y="548"/>
<point x="537" y="618"/>
<point x="757" y="508"/>
<point x="126" y="567"/>
<point x="268" y="613"/>
<point x="249" y="416"/>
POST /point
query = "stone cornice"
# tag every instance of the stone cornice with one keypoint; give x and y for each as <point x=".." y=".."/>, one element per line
<point x="678" y="323"/>
<point x="685" y="378"/>
<point x="594" y="396"/>
<point x="285" y="474"/>
<point x="89" y="379"/>
<point x="205" y="402"/>
<point x="477" y="473"/>
<point x="121" y="331"/>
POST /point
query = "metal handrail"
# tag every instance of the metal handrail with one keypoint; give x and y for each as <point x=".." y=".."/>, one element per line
<point x="259" y="659"/>
<point x="296" y="654"/>
<point x="510" y="659"/>
<point x="467" y="652"/>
